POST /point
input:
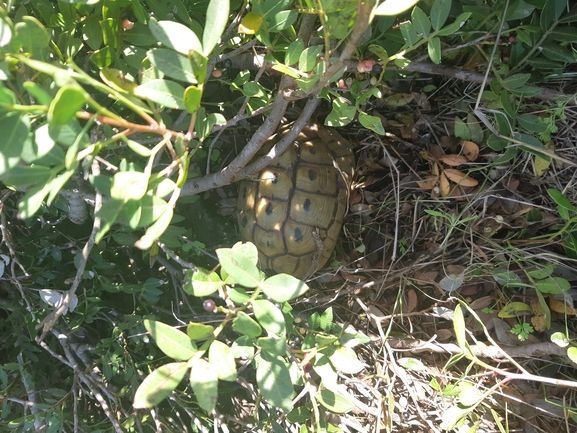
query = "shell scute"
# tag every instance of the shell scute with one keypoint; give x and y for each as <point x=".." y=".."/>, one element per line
<point x="294" y="210"/>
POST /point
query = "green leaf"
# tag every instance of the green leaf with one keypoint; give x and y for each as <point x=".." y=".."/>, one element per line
<point x="269" y="316"/>
<point x="553" y="285"/>
<point x="15" y="128"/>
<point x="199" y="331"/>
<point x="204" y="123"/>
<point x="192" y="97"/>
<point x="409" y="33"/>
<point x="551" y="13"/>
<point x="245" y="325"/>
<point x="283" y="287"/>
<point x="159" y="384"/>
<point x="334" y="402"/>
<point x="66" y="103"/>
<point x="531" y="123"/>
<point x="91" y="32"/>
<point x="129" y="185"/>
<point x="572" y="354"/>
<point x="33" y="36"/>
<point x="308" y="58"/>
<point x="455" y="25"/>
<point x="462" y="130"/>
<point x="342" y="113"/>
<point x="173" y="64"/>
<point x="155" y="231"/>
<point x="434" y="50"/>
<point x="561" y="200"/>
<point x="5" y="32"/>
<point x="394" y="7"/>
<point x="216" y="19"/>
<point x="294" y="52"/>
<point x="204" y="383"/>
<point x="273" y="345"/>
<point x="250" y="23"/>
<point x="379" y="51"/>
<point x="558" y="53"/>
<point x="222" y="361"/>
<point x="282" y="20"/>
<point x="514" y="310"/>
<point x="171" y="341"/>
<point x="32" y="200"/>
<point x="421" y="22"/>
<point x="460" y="330"/>
<point x="412" y="364"/>
<point x="239" y="267"/>
<point x="200" y="282"/>
<point x="102" y="58"/>
<point x="345" y="359"/>
<point x="507" y="105"/>
<point x="373" y="123"/>
<point x="23" y="176"/>
<point x="564" y="34"/>
<point x="238" y="295"/>
<point x="176" y="36"/>
<point x="515" y="81"/>
<point x="440" y="12"/>
<point x="243" y="347"/>
<point x="165" y="93"/>
<point x="274" y="382"/>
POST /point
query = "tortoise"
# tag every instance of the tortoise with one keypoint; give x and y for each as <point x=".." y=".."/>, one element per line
<point x="293" y="211"/>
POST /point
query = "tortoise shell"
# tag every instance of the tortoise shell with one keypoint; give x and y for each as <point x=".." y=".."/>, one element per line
<point x="293" y="211"/>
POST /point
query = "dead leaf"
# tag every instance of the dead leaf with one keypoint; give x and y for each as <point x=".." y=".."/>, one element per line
<point x="453" y="160"/>
<point x="412" y="300"/>
<point x="435" y="169"/>
<point x="444" y="334"/>
<point x="538" y="320"/>
<point x="540" y="165"/>
<point x="449" y="142"/>
<point x="561" y="307"/>
<point x="470" y="150"/>
<point x="511" y="183"/>
<point x="459" y="177"/>
<point x="427" y="277"/>
<point x="399" y="99"/>
<point x="480" y="303"/>
<point x="444" y="185"/>
<point x="428" y="183"/>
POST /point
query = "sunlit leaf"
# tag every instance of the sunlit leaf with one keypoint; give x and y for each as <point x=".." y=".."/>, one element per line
<point x="159" y="384"/>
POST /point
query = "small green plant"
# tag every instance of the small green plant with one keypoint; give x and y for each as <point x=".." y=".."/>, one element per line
<point x="522" y="331"/>
<point x="261" y="329"/>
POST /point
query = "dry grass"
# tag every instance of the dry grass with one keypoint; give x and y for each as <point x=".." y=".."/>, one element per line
<point x="396" y="255"/>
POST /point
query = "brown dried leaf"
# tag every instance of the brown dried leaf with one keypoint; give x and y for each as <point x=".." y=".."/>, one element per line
<point x="444" y="185"/>
<point x="444" y="334"/>
<point x="453" y="160"/>
<point x="427" y="277"/>
<point x="436" y="151"/>
<point x="459" y="177"/>
<point x="428" y="183"/>
<point x="435" y="170"/>
<point x="412" y="300"/>
<point x="470" y="150"/>
<point x="538" y="320"/>
<point x="561" y="307"/>
<point x="511" y="183"/>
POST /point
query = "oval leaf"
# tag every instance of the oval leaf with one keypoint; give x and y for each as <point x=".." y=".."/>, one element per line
<point x="283" y="287"/>
<point x="204" y="383"/>
<point x="172" y="342"/>
<point x="159" y="384"/>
